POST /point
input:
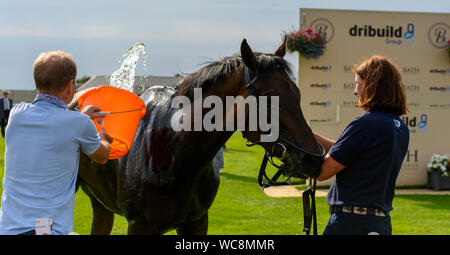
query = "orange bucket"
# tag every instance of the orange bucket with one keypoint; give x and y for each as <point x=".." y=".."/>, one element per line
<point x="124" y="110"/>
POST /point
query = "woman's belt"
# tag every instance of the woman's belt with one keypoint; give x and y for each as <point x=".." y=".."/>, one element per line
<point x="358" y="210"/>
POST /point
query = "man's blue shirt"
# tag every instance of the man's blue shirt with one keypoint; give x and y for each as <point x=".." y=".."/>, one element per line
<point x="372" y="148"/>
<point x="43" y="143"/>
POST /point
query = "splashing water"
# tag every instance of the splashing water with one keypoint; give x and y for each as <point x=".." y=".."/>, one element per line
<point x="124" y="76"/>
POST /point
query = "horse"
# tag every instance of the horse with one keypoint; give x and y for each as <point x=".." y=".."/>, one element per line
<point x="166" y="181"/>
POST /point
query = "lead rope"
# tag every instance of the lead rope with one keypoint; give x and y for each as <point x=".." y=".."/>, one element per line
<point x="308" y="196"/>
<point x="309" y="207"/>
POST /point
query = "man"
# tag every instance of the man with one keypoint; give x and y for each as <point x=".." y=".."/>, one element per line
<point x="5" y="108"/>
<point x="368" y="155"/>
<point x="43" y="142"/>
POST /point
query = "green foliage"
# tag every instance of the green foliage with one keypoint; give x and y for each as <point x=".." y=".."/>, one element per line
<point x="83" y="79"/>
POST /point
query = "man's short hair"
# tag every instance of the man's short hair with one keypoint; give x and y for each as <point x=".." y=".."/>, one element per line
<point x="383" y="87"/>
<point x="52" y="71"/>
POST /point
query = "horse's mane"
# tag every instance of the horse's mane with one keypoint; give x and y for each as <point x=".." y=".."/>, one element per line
<point x="215" y="71"/>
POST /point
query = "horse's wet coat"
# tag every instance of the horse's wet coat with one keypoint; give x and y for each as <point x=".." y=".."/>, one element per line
<point x="166" y="181"/>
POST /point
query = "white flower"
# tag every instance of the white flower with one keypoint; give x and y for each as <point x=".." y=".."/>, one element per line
<point x="434" y="157"/>
<point x="439" y="163"/>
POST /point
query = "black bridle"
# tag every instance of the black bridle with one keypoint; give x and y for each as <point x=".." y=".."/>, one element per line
<point x="309" y="206"/>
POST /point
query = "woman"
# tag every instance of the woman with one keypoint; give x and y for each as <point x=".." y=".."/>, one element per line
<point x="368" y="155"/>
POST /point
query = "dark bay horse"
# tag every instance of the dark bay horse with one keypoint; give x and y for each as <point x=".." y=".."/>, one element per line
<point x="166" y="181"/>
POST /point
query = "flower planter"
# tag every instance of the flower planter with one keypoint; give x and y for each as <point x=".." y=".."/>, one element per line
<point x="307" y="43"/>
<point x="437" y="182"/>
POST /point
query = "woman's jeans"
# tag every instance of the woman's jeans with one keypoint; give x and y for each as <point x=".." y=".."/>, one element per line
<point x="341" y="223"/>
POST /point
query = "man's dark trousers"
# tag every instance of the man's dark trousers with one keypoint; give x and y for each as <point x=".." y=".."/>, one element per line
<point x="4" y="121"/>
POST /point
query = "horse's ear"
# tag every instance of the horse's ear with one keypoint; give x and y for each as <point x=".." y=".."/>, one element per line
<point x="281" y="51"/>
<point x="248" y="57"/>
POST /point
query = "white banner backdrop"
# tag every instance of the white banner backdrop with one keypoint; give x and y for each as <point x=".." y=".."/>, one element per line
<point x="415" y="42"/>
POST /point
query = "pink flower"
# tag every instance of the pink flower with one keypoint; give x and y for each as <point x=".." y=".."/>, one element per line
<point x="309" y="31"/>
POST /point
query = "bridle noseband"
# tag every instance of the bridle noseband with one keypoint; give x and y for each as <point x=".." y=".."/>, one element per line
<point x="309" y="212"/>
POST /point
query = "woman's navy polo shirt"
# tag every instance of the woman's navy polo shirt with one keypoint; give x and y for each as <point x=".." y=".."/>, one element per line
<point x="372" y="147"/>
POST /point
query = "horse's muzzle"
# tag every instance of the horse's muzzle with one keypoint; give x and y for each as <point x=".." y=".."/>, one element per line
<point x="304" y="166"/>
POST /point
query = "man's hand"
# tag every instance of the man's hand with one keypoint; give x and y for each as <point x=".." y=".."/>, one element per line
<point x="93" y="112"/>
<point x="104" y="136"/>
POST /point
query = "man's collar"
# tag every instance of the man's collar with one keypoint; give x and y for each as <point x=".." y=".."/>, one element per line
<point x="51" y="99"/>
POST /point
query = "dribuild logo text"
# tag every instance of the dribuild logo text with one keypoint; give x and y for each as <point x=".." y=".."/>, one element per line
<point x="391" y="34"/>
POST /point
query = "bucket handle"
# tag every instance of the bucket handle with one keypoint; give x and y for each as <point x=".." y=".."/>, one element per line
<point x="122" y="111"/>
<point x="135" y="110"/>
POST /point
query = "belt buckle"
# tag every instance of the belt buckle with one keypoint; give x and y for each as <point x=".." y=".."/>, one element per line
<point x="347" y="209"/>
<point x="360" y="210"/>
<point x="379" y="213"/>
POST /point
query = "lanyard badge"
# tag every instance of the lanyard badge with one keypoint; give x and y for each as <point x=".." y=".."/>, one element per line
<point x="44" y="226"/>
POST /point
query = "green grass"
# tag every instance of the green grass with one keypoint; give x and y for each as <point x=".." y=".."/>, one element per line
<point x="242" y="208"/>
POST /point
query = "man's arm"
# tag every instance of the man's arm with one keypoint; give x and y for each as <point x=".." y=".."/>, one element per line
<point x="101" y="155"/>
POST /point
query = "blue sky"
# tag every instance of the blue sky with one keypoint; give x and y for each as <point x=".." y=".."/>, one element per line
<point x="179" y="35"/>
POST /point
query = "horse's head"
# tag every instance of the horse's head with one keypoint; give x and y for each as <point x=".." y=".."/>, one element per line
<point x="269" y="75"/>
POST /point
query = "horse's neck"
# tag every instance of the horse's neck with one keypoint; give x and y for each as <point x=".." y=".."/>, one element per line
<point x="208" y="143"/>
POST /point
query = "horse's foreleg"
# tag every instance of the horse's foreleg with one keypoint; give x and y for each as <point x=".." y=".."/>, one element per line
<point x="103" y="219"/>
<point x="199" y="227"/>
